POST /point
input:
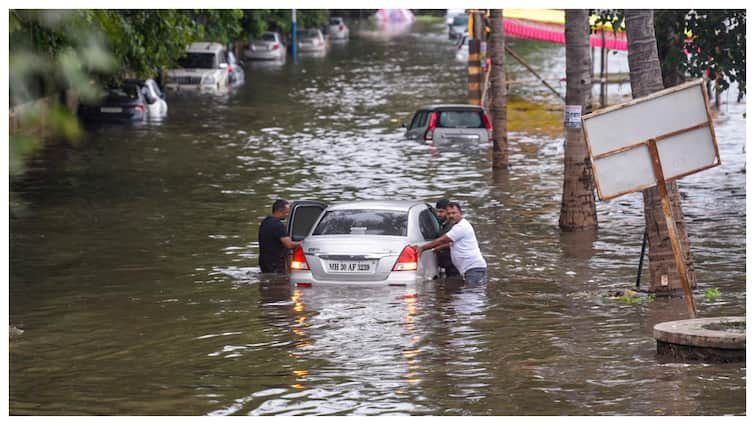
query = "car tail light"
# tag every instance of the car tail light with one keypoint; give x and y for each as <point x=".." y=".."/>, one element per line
<point x="303" y="284"/>
<point x="407" y="261"/>
<point x="139" y="108"/>
<point x="299" y="261"/>
<point x="276" y="46"/>
<point x="486" y="121"/>
<point x="431" y="127"/>
<point x="230" y="69"/>
<point x="340" y="28"/>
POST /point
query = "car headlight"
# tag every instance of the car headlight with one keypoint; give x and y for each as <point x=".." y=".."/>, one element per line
<point x="208" y="79"/>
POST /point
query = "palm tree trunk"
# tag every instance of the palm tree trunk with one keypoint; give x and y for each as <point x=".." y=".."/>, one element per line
<point x="496" y="49"/>
<point x="578" y="199"/>
<point x="645" y="76"/>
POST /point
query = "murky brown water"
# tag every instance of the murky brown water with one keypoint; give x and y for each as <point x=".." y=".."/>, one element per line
<point x="133" y="269"/>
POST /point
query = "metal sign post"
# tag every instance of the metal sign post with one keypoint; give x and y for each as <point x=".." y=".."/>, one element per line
<point x="649" y="142"/>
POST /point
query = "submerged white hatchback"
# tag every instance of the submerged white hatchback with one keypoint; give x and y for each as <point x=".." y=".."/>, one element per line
<point x="362" y="243"/>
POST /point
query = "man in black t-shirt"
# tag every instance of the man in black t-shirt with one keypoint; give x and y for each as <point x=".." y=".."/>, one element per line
<point x="274" y="240"/>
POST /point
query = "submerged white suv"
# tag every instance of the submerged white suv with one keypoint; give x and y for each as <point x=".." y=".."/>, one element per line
<point x="204" y="68"/>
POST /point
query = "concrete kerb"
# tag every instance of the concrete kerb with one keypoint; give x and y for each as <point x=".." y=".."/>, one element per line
<point x="721" y="339"/>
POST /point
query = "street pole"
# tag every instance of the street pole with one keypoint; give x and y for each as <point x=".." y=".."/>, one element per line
<point x="293" y="36"/>
<point x="474" y="74"/>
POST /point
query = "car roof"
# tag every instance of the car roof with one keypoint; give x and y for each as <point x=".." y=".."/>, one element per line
<point x="376" y="205"/>
<point x="449" y="106"/>
<point x="204" y="46"/>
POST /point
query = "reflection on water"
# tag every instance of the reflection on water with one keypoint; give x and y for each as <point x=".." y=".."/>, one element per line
<point x="133" y="267"/>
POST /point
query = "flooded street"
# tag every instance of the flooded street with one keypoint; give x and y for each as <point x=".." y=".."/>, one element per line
<point x="133" y="261"/>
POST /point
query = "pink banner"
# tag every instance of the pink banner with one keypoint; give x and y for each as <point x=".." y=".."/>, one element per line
<point x="554" y="33"/>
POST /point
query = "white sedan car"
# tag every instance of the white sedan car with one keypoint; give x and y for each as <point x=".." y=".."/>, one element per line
<point x="311" y="41"/>
<point x="362" y="243"/>
<point x="337" y="29"/>
<point x="268" y="47"/>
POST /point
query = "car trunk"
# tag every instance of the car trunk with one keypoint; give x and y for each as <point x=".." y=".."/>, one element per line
<point x="262" y="45"/>
<point x="353" y="257"/>
<point x="461" y="135"/>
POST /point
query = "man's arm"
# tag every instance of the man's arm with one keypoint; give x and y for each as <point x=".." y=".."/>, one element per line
<point x="288" y="243"/>
<point x="442" y="240"/>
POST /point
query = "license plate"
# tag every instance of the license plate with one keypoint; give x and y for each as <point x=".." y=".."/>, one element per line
<point x="107" y="110"/>
<point x="349" y="266"/>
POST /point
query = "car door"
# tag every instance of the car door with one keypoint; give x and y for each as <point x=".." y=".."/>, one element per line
<point x="302" y="217"/>
<point x="429" y="227"/>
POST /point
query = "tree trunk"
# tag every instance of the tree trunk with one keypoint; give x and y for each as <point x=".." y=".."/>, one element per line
<point x="578" y="199"/>
<point x="496" y="51"/>
<point x="645" y="76"/>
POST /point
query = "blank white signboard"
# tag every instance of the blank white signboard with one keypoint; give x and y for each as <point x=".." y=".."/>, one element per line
<point x="687" y="152"/>
<point x="677" y="118"/>
<point x="634" y="123"/>
<point x="623" y="172"/>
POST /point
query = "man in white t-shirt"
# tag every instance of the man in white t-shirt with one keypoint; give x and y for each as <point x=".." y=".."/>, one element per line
<point x="465" y="253"/>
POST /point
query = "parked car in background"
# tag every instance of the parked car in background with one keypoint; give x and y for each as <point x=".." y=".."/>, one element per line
<point x="124" y="104"/>
<point x="462" y="48"/>
<point x="236" y="74"/>
<point x="310" y="41"/>
<point x="458" y="26"/>
<point x="204" y="68"/>
<point x="362" y="243"/>
<point x="337" y="29"/>
<point x="268" y="47"/>
<point x="155" y="104"/>
<point x="451" y="13"/>
<point x="451" y="125"/>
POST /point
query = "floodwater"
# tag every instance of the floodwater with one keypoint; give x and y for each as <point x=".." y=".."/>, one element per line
<point x="134" y="278"/>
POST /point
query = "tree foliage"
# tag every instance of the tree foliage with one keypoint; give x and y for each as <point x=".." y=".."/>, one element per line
<point x="696" y="42"/>
<point x="716" y="43"/>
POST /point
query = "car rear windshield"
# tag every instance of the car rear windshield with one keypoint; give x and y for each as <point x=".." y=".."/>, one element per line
<point x="335" y="21"/>
<point x="460" y="119"/>
<point x="461" y="20"/>
<point x="268" y="37"/>
<point x="362" y="222"/>
<point x="198" y="60"/>
<point x="307" y="34"/>
<point x="126" y="93"/>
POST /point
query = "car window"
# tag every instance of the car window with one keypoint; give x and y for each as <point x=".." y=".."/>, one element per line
<point x="311" y="33"/>
<point x="268" y="37"/>
<point x="305" y="217"/>
<point x="335" y="21"/>
<point x="461" y="20"/>
<point x="428" y="224"/>
<point x="415" y="120"/>
<point x="420" y="120"/>
<point x="362" y="222"/>
<point x="460" y="119"/>
<point x="198" y="60"/>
